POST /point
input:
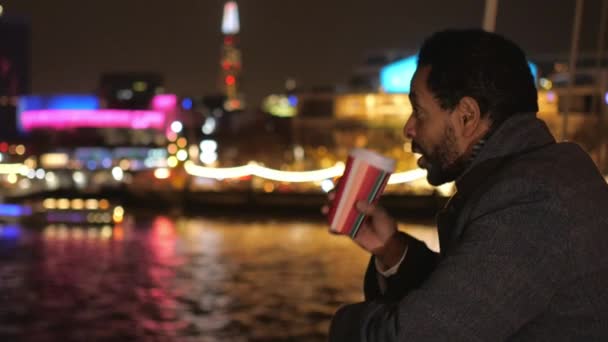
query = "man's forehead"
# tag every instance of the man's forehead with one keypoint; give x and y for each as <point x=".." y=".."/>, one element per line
<point x="421" y="74"/>
<point x="418" y="85"/>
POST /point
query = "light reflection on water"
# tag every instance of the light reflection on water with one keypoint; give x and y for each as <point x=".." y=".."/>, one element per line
<point x="166" y="279"/>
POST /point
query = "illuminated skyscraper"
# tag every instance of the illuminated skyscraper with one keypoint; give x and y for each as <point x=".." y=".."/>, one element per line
<point x="231" y="58"/>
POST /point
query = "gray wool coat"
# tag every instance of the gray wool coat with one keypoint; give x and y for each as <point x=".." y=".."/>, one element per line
<point x="524" y="253"/>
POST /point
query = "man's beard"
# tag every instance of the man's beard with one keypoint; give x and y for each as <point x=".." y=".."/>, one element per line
<point x="444" y="164"/>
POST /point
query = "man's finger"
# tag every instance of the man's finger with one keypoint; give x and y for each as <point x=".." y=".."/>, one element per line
<point x="373" y="210"/>
<point x="325" y="210"/>
<point x="365" y="208"/>
<point x="331" y="195"/>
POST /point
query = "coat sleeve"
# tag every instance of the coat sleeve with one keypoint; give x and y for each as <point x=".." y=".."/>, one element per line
<point x="418" y="263"/>
<point x="501" y="274"/>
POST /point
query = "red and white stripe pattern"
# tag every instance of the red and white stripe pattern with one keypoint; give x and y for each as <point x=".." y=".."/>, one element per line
<point x="365" y="177"/>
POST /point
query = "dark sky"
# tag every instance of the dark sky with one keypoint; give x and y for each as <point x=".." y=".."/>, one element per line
<point x="317" y="42"/>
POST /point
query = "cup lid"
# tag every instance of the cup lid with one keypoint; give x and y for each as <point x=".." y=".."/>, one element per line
<point x="373" y="158"/>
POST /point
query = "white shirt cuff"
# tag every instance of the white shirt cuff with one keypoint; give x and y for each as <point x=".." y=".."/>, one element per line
<point x="391" y="271"/>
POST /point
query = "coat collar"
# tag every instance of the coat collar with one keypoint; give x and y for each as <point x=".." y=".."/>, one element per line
<point x="519" y="133"/>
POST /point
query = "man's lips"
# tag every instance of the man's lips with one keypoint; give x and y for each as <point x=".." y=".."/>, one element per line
<point x="416" y="149"/>
<point x="422" y="162"/>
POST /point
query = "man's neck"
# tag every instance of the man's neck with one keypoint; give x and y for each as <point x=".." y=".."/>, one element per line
<point x="479" y="142"/>
<point x="476" y="149"/>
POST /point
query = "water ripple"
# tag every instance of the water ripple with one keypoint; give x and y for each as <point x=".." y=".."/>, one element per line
<point x="176" y="280"/>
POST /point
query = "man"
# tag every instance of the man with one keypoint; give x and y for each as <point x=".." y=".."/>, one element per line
<point x="524" y="241"/>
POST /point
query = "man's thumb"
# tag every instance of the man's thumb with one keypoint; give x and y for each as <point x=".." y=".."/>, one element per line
<point x="365" y="208"/>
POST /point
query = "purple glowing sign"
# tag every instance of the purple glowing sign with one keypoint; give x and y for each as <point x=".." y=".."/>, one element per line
<point x="101" y="118"/>
<point x="164" y="102"/>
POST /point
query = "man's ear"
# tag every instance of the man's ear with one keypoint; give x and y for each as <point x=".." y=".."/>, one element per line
<point x="468" y="116"/>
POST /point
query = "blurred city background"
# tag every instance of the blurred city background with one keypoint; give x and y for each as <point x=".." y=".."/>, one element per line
<point x="162" y="165"/>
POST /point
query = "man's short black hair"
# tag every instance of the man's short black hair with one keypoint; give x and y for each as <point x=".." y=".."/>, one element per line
<point x="483" y="65"/>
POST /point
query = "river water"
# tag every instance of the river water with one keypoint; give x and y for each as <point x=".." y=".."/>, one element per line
<point x="177" y="279"/>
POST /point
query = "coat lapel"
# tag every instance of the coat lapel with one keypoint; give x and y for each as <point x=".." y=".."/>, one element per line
<point x="516" y="136"/>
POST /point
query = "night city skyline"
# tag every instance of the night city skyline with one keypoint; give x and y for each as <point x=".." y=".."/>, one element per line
<point x="240" y="170"/>
<point x="317" y="43"/>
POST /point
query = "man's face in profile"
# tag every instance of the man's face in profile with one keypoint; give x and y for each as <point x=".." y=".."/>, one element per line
<point x="432" y="133"/>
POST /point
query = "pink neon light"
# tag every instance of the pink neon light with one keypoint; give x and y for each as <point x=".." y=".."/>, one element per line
<point x="103" y="118"/>
<point x="164" y="102"/>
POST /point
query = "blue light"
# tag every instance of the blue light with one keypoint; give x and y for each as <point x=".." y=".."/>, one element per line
<point x="396" y="77"/>
<point x="137" y="164"/>
<point x="91" y="164"/>
<point x="293" y="100"/>
<point x="534" y="70"/>
<point x="69" y="216"/>
<point x="10" y="232"/>
<point x="106" y="163"/>
<point x="30" y="102"/>
<point x="14" y="210"/>
<point x="74" y="102"/>
<point x="92" y="153"/>
<point x="68" y="101"/>
<point x="187" y="103"/>
<point x="40" y="102"/>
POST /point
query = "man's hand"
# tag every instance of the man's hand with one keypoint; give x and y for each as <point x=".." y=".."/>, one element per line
<point x="378" y="233"/>
<point x="330" y="200"/>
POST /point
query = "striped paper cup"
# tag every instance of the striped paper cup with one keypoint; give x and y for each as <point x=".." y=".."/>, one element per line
<point x="365" y="176"/>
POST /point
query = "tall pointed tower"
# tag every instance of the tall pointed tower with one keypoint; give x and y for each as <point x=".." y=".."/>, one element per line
<point x="231" y="58"/>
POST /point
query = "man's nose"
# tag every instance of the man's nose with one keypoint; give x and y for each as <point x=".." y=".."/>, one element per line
<point x="408" y="129"/>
